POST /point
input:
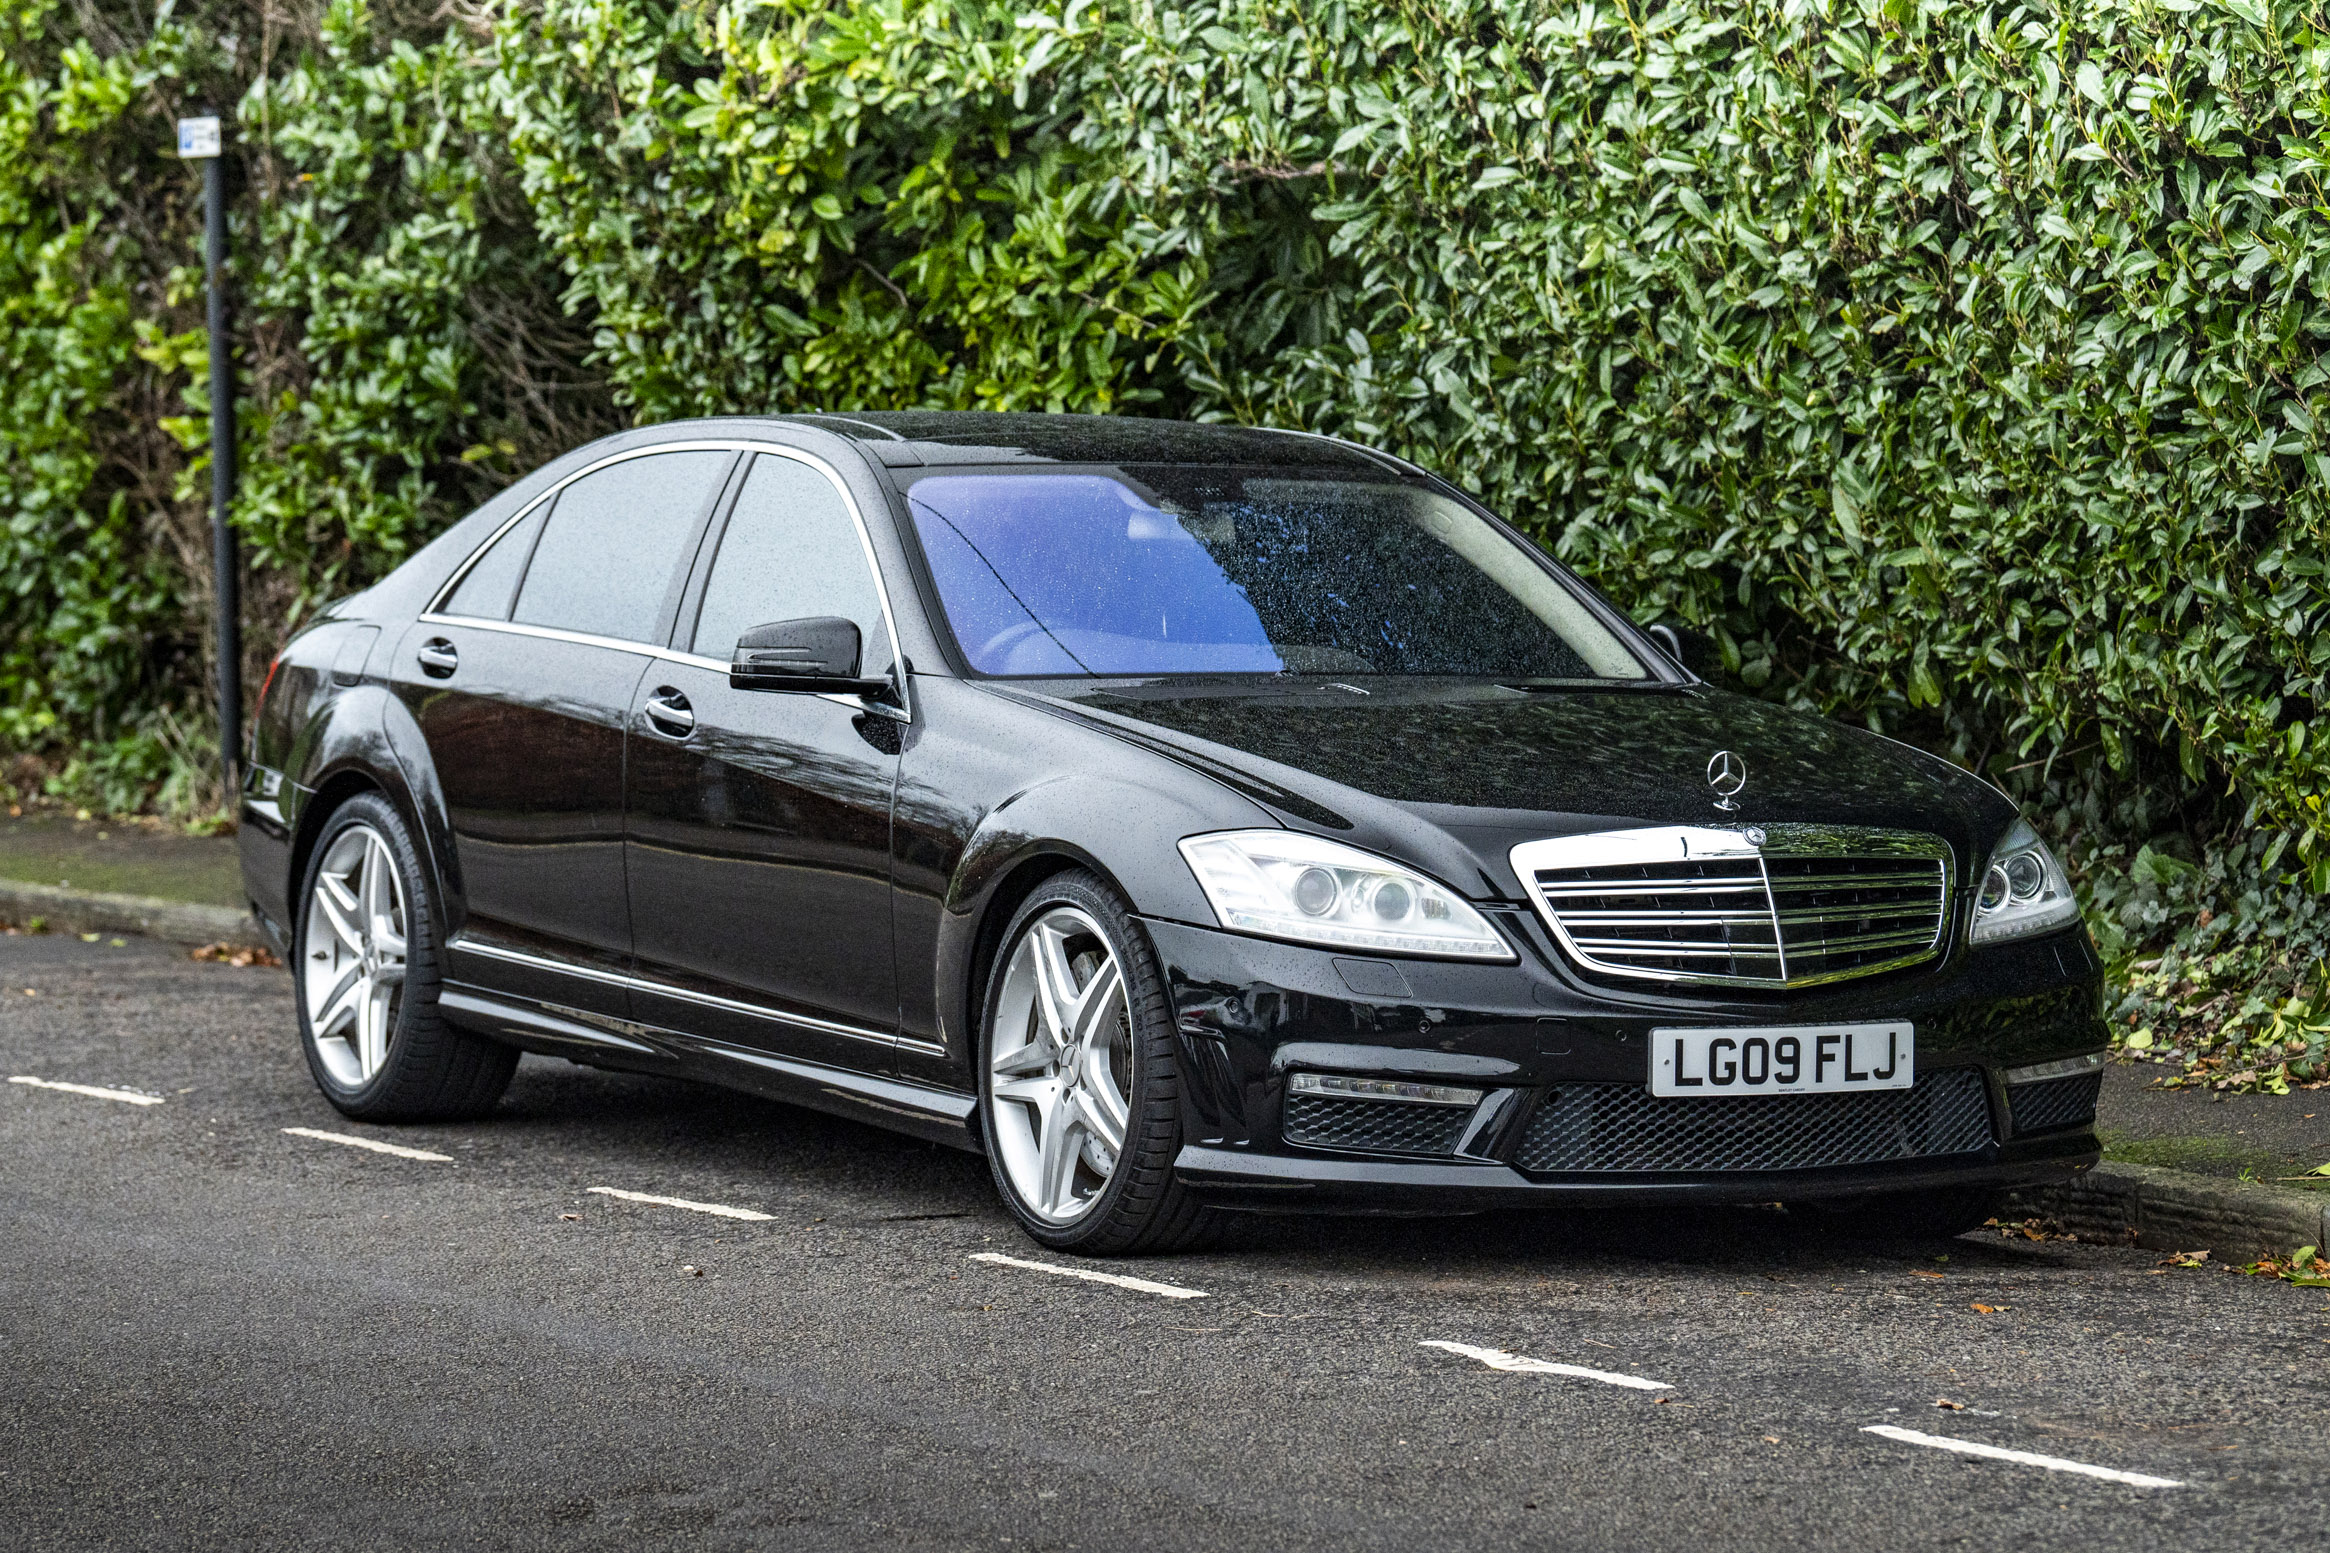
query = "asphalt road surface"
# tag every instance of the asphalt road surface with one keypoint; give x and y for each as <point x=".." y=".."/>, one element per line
<point x="214" y="1332"/>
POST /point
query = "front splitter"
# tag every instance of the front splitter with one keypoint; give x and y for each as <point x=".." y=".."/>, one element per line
<point x="1290" y="1183"/>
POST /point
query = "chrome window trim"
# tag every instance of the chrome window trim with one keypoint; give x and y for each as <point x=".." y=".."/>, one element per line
<point x="855" y="703"/>
<point x="806" y="1022"/>
<point x="1679" y="843"/>
<point x="434" y="614"/>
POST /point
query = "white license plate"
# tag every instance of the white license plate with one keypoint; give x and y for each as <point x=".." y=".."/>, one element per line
<point x="1782" y="1059"/>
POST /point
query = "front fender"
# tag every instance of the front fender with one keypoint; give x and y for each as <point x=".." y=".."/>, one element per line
<point x="1124" y="832"/>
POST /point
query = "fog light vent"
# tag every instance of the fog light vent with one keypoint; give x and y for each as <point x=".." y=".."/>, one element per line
<point x="2054" y="1102"/>
<point x="1376" y="1116"/>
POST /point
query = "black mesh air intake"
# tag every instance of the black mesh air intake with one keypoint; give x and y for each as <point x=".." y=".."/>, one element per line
<point x="2054" y="1102"/>
<point x="1374" y="1126"/>
<point x="1624" y="1127"/>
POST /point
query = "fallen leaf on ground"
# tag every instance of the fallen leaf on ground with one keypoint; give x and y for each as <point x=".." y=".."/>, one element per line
<point x="1944" y="1402"/>
<point x="1919" y="1272"/>
<point x="1987" y="1310"/>
<point x="2030" y="1229"/>
<point x="2305" y="1266"/>
<point x="2184" y="1259"/>
<point x="235" y="954"/>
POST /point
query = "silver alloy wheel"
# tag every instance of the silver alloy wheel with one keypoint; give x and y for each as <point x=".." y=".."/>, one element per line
<point x="352" y="958"/>
<point x="1060" y="1070"/>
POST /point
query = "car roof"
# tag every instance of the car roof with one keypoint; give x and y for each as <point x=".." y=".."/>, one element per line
<point x="906" y="438"/>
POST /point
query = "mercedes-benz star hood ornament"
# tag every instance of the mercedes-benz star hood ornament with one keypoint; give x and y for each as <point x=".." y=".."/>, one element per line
<point x="1727" y="774"/>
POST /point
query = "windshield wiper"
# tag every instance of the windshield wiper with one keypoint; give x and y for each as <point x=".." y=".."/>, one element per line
<point x="1549" y="686"/>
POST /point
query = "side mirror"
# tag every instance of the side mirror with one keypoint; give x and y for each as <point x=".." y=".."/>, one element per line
<point x="817" y="656"/>
<point x="1693" y="651"/>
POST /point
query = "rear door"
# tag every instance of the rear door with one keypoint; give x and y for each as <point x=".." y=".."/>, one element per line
<point x="521" y="683"/>
<point x="759" y="822"/>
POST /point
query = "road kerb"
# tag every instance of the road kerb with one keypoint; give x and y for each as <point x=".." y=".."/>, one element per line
<point x="2177" y="1210"/>
<point x="95" y="911"/>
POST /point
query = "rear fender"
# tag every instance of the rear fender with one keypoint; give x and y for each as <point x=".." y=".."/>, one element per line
<point x="359" y="742"/>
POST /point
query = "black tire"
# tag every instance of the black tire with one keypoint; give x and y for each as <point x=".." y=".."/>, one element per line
<point x="1943" y="1213"/>
<point x="432" y="1071"/>
<point x="1143" y="1208"/>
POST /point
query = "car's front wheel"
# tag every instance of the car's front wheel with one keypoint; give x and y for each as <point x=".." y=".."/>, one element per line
<point x="1079" y="1090"/>
<point x="367" y="980"/>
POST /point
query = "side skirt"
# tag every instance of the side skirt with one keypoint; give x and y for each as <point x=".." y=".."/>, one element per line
<point x="940" y="1115"/>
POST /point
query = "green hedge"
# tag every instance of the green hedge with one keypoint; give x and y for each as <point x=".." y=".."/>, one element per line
<point x="1959" y="367"/>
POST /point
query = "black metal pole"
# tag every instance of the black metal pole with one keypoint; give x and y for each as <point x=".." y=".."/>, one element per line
<point x="226" y="565"/>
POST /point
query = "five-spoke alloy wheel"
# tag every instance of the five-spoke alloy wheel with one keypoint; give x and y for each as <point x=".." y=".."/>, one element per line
<point x="367" y="978"/>
<point x="1079" y="1088"/>
<point x="353" y="961"/>
<point x="1061" y="1069"/>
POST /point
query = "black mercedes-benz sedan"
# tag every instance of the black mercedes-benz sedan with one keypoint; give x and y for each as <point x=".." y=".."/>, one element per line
<point x="1190" y="818"/>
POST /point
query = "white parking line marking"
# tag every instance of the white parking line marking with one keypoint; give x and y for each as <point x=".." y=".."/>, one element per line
<point x="1501" y="1359"/>
<point x="93" y="1091"/>
<point x="1172" y="1291"/>
<point x="398" y="1149"/>
<point x="1942" y="1442"/>
<point x="722" y="1209"/>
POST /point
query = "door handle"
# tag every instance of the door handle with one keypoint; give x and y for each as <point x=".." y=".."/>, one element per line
<point x="438" y="659"/>
<point x="670" y="713"/>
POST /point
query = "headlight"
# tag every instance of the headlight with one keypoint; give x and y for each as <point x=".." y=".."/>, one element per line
<point x="2023" y="891"/>
<point x="1284" y="884"/>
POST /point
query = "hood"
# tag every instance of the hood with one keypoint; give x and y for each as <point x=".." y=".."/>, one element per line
<point x="1493" y="765"/>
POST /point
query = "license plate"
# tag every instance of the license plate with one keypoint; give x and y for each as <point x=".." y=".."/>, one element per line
<point x="1782" y="1059"/>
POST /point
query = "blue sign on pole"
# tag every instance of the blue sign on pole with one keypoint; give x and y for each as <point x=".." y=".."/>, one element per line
<point x="198" y="138"/>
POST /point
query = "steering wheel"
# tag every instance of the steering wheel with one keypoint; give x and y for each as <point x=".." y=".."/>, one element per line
<point x="993" y="650"/>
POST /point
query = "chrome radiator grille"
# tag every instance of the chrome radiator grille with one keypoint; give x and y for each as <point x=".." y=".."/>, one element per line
<point x="1786" y="906"/>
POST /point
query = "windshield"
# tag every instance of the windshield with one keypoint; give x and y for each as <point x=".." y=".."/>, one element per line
<point x="1181" y="570"/>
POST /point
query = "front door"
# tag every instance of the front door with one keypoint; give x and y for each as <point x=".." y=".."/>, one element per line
<point x="758" y="846"/>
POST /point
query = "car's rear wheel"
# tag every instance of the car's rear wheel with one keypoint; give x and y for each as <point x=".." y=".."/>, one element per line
<point x="1080" y="1095"/>
<point x="367" y="979"/>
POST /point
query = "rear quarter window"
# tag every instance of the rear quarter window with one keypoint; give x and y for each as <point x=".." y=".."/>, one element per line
<point x="485" y="590"/>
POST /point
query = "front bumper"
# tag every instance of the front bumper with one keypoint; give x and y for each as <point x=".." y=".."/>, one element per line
<point x="1251" y="1014"/>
